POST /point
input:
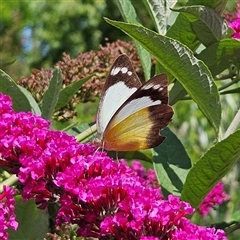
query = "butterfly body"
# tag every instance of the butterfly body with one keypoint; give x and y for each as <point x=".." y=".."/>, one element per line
<point x="130" y="114"/>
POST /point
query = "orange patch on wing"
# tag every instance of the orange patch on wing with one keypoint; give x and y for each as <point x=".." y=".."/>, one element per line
<point x="131" y="134"/>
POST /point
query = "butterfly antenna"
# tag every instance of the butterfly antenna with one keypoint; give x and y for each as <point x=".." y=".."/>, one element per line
<point x="102" y="146"/>
<point x="96" y="150"/>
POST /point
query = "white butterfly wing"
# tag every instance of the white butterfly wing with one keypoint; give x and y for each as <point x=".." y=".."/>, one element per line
<point x="121" y="83"/>
<point x="130" y="115"/>
<point x="137" y="123"/>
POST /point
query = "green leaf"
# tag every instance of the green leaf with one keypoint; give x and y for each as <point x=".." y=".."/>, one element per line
<point x="34" y="106"/>
<point x="9" y="87"/>
<point x="218" y="5"/>
<point x="127" y="10"/>
<point x="182" y="30"/>
<point x="183" y="65"/>
<point x="129" y="15"/>
<point x="159" y="12"/>
<point x="171" y="163"/>
<point x="51" y="96"/>
<point x="210" y="168"/>
<point x="7" y="63"/>
<point x="176" y="93"/>
<point x="67" y="93"/>
<point x="145" y="59"/>
<point x="208" y="25"/>
<point x="221" y="55"/>
<point x="142" y="155"/>
<point x="33" y="222"/>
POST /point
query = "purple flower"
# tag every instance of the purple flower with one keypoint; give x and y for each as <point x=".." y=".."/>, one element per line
<point x="217" y="196"/>
<point x="5" y="104"/>
<point x="7" y="216"/>
<point x="233" y="19"/>
<point x="114" y="201"/>
<point x="35" y="153"/>
<point x="149" y="175"/>
<point x="106" y="199"/>
<point x="235" y="25"/>
<point x="191" y="231"/>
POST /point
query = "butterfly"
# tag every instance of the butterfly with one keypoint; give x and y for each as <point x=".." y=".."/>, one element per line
<point x="131" y="114"/>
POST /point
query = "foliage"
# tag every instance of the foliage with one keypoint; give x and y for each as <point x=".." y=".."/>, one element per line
<point x="36" y="34"/>
<point x="202" y="62"/>
<point x="75" y="69"/>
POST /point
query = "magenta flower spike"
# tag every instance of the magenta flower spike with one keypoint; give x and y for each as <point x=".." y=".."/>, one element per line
<point x="106" y="199"/>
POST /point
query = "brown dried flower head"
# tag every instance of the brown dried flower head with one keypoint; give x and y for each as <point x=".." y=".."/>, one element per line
<point x="97" y="63"/>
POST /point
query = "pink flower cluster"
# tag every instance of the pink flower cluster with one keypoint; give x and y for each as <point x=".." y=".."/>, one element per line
<point x="149" y="176"/>
<point x="235" y="23"/>
<point x="7" y="216"/>
<point x="216" y="197"/>
<point x="107" y="200"/>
